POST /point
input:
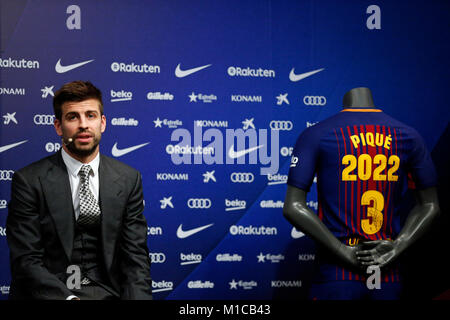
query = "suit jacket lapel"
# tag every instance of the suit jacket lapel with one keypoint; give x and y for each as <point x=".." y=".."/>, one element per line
<point x="111" y="205"/>
<point x="56" y="188"/>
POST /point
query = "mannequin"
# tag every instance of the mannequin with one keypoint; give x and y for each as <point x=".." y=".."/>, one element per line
<point x="366" y="253"/>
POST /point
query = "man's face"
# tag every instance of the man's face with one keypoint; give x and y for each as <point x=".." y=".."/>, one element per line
<point x="83" y="122"/>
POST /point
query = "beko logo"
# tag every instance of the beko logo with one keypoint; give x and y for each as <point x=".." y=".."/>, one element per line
<point x="198" y="284"/>
<point x="211" y="123"/>
<point x="242" y="177"/>
<point x="158" y="286"/>
<point x="131" y="122"/>
<point x="249" y="72"/>
<point x="44" y="119"/>
<point x="231" y="205"/>
<point x="242" y="98"/>
<point x="190" y="258"/>
<point x="270" y="204"/>
<point x="12" y="91"/>
<point x="157" y="257"/>
<point x="3" y="204"/>
<point x="117" y="96"/>
<point x="285" y="125"/>
<point x="277" y="179"/>
<point x="160" y="96"/>
<point x="2" y="232"/>
<point x="198" y="203"/>
<point x="18" y="64"/>
<point x="314" y="100"/>
<point x="226" y="257"/>
<point x="6" y="175"/>
<point x="252" y="231"/>
<point x="136" y="68"/>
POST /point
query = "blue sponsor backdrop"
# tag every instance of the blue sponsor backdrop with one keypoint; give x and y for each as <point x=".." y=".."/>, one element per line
<point x="164" y="65"/>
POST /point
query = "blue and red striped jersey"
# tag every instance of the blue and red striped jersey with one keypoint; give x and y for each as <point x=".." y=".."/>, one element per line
<point x="362" y="158"/>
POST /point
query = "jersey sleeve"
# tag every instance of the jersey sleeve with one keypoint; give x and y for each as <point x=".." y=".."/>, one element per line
<point x="304" y="160"/>
<point x="420" y="165"/>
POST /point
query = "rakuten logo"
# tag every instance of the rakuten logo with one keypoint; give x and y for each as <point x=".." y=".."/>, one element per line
<point x="252" y="231"/>
<point x="154" y="231"/>
<point x="18" y="64"/>
<point x="52" y="147"/>
<point x="135" y="68"/>
<point x="177" y="149"/>
<point x="249" y="72"/>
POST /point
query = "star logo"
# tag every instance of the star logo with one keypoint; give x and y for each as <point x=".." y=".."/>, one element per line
<point x="47" y="91"/>
<point x="233" y="284"/>
<point x="193" y="97"/>
<point x="248" y="123"/>
<point x="166" y="202"/>
<point x="9" y="117"/>
<point x="209" y="175"/>
<point x="157" y="123"/>
<point x="282" y="98"/>
<point x="261" y="257"/>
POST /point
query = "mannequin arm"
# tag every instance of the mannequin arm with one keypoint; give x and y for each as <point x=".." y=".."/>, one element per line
<point x="303" y="218"/>
<point x="418" y="222"/>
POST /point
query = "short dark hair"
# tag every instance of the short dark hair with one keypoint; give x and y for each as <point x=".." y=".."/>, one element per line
<point x="75" y="91"/>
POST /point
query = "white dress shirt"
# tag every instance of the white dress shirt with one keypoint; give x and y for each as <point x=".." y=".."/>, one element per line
<point x="73" y="167"/>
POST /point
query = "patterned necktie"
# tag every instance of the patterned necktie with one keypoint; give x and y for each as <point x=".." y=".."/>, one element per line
<point x="89" y="208"/>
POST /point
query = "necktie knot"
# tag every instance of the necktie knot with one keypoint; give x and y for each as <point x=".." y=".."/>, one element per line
<point x="84" y="171"/>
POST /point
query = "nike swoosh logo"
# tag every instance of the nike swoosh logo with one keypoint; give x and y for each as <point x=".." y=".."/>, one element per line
<point x="297" y="77"/>
<point x="120" y="152"/>
<point x="9" y="146"/>
<point x="62" y="69"/>
<point x="184" y="73"/>
<point x="184" y="234"/>
<point x="237" y="154"/>
<point x="296" y="234"/>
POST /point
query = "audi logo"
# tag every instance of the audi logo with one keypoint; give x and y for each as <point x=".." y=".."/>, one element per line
<point x="196" y="203"/>
<point x="242" y="177"/>
<point x="314" y="100"/>
<point x="157" y="257"/>
<point x="281" y="125"/>
<point x="6" y="174"/>
<point x="44" y="119"/>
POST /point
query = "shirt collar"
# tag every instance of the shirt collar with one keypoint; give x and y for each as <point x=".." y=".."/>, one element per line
<point x="74" y="166"/>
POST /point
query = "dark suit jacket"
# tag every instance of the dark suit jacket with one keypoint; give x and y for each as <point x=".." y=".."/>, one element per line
<point x="41" y="222"/>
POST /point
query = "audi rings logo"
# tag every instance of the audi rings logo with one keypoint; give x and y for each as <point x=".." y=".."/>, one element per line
<point x="285" y="125"/>
<point x="197" y="203"/>
<point x="242" y="177"/>
<point x="314" y="100"/>
<point x="6" y="175"/>
<point x="44" y="119"/>
<point x="157" y="257"/>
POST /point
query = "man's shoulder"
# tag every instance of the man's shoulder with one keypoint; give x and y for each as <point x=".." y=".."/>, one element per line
<point x="117" y="165"/>
<point x="40" y="166"/>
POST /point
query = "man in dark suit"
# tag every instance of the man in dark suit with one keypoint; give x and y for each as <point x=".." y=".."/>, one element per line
<point x="75" y="224"/>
